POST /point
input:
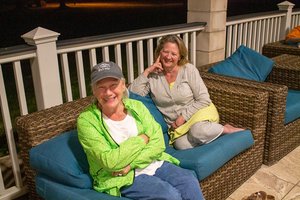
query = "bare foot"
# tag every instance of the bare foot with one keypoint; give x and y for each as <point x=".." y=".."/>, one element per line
<point x="231" y="129"/>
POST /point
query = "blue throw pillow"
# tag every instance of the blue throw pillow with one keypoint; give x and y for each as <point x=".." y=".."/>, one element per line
<point x="63" y="159"/>
<point x="245" y="63"/>
<point x="148" y="102"/>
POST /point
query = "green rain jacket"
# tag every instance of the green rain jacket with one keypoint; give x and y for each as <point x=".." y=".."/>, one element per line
<point x="106" y="156"/>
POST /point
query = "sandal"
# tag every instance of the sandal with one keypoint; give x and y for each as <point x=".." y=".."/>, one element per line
<point x="270" y="197"/>
<point x="261" y="195"/>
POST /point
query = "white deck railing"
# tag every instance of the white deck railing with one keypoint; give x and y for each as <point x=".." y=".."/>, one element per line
<point x="252" y="32"/>
<point x="295" y="19"/>
<point x="258" y="29"/>
<point x="15" y="60"/>
<point x="131" y="50"/>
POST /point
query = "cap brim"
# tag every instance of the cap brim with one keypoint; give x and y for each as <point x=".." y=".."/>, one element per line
<point x="101" y="78"/>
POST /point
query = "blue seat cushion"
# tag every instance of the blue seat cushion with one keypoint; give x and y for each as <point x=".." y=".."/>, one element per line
<point x="292" y="111"/>
<point x="51" y="190"/>
<point x="63" y="159"/>
<point x="148" y="102"/>
<point x="245" y="63"/>
<point x="206" y="159"/>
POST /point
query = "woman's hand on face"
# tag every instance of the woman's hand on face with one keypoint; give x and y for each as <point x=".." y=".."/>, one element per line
<point x="155" y="68"/>
<point x="123" y="172"/>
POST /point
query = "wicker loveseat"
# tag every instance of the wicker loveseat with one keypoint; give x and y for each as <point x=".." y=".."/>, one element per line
<point x="239" y="106"/>
<point x="280" y="47"/>
<point x="281" y="137"/>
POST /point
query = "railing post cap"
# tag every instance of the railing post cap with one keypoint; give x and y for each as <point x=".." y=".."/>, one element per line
<point x="285" y="5"/>
<point x="40" y="35"/>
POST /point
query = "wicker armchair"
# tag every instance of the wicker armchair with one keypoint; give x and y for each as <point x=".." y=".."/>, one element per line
<point x="239" y="106"/>
<point x="280" y="138"/>
<point x="277" y="48"/>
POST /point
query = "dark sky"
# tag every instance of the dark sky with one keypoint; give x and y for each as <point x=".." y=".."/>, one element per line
<point x="79" y="22"/>
<point x="73" y="22"/>
<point x="239" y="7"/>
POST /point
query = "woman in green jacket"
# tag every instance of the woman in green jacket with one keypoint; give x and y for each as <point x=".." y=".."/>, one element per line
<point x="125" y="146"/>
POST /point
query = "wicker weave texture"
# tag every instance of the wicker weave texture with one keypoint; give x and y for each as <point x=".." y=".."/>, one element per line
<point x="41" y="126"/>
<point x="238" y="106"/>
<point x="286" y="71"/>
<point x="241" y="107"/>
<point x="277" y="48"/>
<point x="280" y="139"/>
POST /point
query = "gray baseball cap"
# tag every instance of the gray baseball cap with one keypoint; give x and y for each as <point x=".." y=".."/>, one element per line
<point x="105" y="70"/>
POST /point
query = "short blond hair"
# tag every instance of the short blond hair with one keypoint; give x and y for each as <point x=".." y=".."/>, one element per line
<point x="181" y="46"/>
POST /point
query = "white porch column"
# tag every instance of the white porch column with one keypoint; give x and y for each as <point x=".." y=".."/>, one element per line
<point x="211" y="41"/>
<point x="44" y="66"/>
<point x="286" y="22"/>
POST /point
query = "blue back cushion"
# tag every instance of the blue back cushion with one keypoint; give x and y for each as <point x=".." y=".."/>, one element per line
<point x="148" y="102"/>
<point x="245" y="63"/>
<point x="63" y="159"/>
<point x="292" y="111"/>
